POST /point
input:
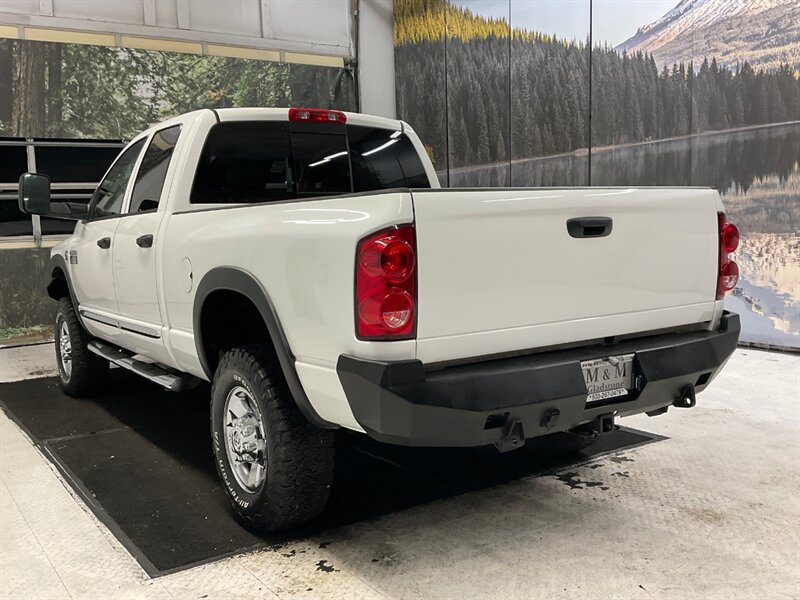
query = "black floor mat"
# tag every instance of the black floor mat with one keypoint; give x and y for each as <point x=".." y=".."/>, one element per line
<point x="141" y="459"/>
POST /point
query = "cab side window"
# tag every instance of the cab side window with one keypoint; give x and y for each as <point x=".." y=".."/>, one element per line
<point x="153" y="170"/>
<point x="245" y="162"/>
<point x="109" y="195"/>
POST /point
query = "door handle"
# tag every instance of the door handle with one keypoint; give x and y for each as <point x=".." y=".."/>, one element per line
<point x="104" y="243"/>
<point x="589" y="227"/>
<point x="145" y="241"/>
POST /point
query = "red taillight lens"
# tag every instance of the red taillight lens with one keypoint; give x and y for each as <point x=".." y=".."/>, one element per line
<point x="728" y="272"/>
<point x="317" y="115"/>
<point x="386" y="285"/>
<point x="730" y="237"/>
<point x="390" y="256"/>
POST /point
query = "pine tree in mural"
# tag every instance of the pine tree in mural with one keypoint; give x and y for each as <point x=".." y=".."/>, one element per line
<point x="73" y="90"/>
<point x="632" y="100"/>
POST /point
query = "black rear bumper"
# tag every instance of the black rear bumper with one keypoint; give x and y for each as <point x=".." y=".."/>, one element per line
<point x="404" y="403"/>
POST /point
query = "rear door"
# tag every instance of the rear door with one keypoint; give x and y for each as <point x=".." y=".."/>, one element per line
<point x="137" y="243"/>
<point x="512" y="270"/>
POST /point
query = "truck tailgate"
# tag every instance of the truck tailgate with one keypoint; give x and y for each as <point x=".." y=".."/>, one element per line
<point x="498" y="270"/>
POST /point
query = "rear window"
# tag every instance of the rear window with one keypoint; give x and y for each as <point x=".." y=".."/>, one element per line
<point x="320" y="162"/>
<point x="267" y="161"/>
<point x="384" y="159"/>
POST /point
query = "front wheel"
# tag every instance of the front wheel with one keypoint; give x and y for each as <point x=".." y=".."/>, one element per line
<point x="81" y="371"/>
<point x="276" y="467"/>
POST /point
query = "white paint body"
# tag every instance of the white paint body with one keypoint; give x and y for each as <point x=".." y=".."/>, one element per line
<point x="497" y="270"/>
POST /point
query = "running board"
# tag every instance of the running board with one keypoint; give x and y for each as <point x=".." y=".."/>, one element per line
<point x="151" y="371"/>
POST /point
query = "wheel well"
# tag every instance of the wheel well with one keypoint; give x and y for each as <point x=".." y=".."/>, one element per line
<point x="228" y="320"/>
<point x="58" y="288"/>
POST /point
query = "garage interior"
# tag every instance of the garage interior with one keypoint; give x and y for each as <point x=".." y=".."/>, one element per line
<point x="116" y="496"/>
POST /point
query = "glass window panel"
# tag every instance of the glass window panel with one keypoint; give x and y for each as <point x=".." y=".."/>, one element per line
<point x="382" y="159"/>
<point x="320" y="162"/>
<point x="110" y="194"/>
<point x="245" y="162"/>
<point x="153" y="170"/>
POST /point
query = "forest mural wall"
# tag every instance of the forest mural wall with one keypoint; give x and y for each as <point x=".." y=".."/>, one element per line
<point x="586" y="92"/>
<point x="75" y="90"/>
<point x="56" y="90"/>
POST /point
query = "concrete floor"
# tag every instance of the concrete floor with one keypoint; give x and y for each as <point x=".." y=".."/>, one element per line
<point x="712" y="512"/>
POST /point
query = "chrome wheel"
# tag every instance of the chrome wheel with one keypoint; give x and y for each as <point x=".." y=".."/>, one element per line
<point x="65" y="350"/>
<point x="244" y="439"/>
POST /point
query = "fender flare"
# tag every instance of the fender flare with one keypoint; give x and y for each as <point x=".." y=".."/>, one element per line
<point x="57" y="261"/>
<point x="242" y="282"/>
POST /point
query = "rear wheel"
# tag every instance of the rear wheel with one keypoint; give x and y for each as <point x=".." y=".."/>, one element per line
<point x="276" y="467"/>
<point x="80" y="371"/>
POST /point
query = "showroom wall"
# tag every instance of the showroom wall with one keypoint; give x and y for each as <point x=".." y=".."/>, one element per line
<point x="76" y="72"/>
<point x="501" y="92"/>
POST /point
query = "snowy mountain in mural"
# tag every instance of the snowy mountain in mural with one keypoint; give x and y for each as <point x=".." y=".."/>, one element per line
<point x="765" y="33"/>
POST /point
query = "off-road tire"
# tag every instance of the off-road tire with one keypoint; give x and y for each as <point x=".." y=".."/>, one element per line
<point x="88" y="372"/>
<point x="299" y="458"/>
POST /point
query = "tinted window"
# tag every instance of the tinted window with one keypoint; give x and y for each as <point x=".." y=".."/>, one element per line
<point x="384" y="159"/>
<point x="265" y="161"/>
<point x="153" y="170"/>
<point x="108" y="198"/>
<point x="245" y="162"/>
<point x="321" y="165"/>
<point x="65" y="164"/>
<point x="13" y="163"/>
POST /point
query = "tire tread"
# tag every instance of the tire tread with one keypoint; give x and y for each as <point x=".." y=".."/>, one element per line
<point x="89" y="371"/>
<point x="300" y="461"/>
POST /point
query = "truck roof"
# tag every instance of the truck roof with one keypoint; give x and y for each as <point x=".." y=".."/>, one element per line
<point x="258" y="113"/>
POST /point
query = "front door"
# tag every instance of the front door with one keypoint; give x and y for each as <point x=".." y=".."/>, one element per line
<point x="90" y="255"/>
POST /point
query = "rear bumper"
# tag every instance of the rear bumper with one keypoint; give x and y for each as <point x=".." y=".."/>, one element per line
<point x="404" y="403"/>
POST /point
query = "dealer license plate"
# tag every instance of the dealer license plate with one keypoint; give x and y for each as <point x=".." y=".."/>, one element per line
<point x="608" y="377"/>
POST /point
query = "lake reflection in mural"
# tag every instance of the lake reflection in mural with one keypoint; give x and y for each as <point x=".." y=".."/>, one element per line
<point x="757" y="172"/>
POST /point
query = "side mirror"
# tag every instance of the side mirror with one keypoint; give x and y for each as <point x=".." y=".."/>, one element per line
<point x="34" y="193"/>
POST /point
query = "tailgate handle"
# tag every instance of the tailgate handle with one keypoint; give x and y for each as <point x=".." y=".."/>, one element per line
<point x="589" y="227"/>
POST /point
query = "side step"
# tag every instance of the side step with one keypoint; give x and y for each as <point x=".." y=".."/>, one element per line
<point x="151" y="371"/>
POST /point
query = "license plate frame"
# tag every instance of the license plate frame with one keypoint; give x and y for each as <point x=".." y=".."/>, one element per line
<point x="608" y="378"/>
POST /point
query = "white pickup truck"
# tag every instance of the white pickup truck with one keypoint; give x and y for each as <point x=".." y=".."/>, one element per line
<point x="307" y="264"/>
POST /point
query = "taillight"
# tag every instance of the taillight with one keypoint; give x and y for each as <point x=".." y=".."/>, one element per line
<point x="729" y="237"/>
<point x="728" y="272"/>
<point x="317" y="115"/>
<point x="386" y="285"/>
